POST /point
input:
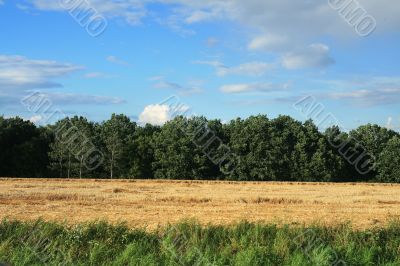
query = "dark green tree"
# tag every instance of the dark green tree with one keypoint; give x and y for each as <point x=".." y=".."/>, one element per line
<point x="250" y="140"/>
<point x="389" y="162"/>
<point x="182" y="149"/>
<point x="141" y="152"/>
<point x="82" y="143"/>
<point x="23" y="147"/>
<point x="117" y="133"/>
<point x="369" y="141"/>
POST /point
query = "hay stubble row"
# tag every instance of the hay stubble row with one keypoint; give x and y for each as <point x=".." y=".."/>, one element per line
<point x="156" y="202"/>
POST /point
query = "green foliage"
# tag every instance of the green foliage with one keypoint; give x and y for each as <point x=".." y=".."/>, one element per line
<point x="253" y="149"/>
<point x="116" y="133"/>
<point x="188" y="243"/>
<point x="372" y="139"/>
<point x="141" y="152"/>
<point x="180" y="150"/>
<point x="251" y="140"/>
<point x="23" y="148"/>
<point x="389" y="161"/>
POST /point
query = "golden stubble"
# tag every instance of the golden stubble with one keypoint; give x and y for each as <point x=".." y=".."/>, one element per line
<point x="152" y="203"/>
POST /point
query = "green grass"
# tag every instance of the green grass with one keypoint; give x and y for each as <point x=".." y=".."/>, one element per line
<point x="188" y="243"/>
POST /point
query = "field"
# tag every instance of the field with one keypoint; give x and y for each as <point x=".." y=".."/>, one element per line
<point x="150" y="203"/>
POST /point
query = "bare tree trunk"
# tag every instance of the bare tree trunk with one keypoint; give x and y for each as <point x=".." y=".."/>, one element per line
<point x="69" y="165"/>
<point x="80" y="167"/>
<point x="60" y="162"/>
<point x="112" y="164"/>
<point x="111" y="168"/>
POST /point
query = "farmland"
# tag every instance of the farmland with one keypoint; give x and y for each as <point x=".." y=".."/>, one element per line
<point x="150" y="203"/>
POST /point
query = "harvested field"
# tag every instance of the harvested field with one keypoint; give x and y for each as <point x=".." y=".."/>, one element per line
<point x="156" y="202"/>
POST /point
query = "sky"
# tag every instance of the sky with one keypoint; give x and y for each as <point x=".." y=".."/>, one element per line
<point x="219" y="59"/>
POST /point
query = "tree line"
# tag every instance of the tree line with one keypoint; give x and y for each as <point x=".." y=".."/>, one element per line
<point x="256" y="149"/>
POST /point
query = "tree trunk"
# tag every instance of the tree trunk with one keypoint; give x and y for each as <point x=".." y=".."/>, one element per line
<point x="69" y="166"/>
<point x="112" y="164"/>
<point x="80" y="167"/>
<point x="60" y="162"/>
<point x="111" y="168"/>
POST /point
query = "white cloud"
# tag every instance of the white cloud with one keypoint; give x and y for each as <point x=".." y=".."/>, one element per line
<point x="156" y="78"/>
<point x="389" y="123"/>
<point x="299" y="20"/>
<point x="36" y="119"/>
<point x="155" y="114"/>
<point x="94" y="75"/>
<point x="369" y="97"/>
<point x="253" y="87"/>
<point x="159" y="114"/>
<point x="268" y="43"/>
<point x="215" y="63"/>
<point x="77" y="98"/>
<point x="59" y="99"/>
<point x="18" y="72"/>
<point x="314" y="56"/>
<point x="192" y="87"/>
<point x="246" y="69"/>
<point x="65" y="98"/>
<point x="285" y="27"/>
<point x="201" y="16"/>
<point x="175" y="24"/>
<point x="132" y="11"/>
<point x="116" y="60"/>
<point x="211" y="42"/>
<point x="363" y="91"/>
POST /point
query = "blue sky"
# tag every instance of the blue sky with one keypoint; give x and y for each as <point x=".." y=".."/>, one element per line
<point x="223" y="59"/>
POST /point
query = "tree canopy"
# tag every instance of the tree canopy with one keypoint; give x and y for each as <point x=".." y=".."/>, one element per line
<point x="256" y="148"/>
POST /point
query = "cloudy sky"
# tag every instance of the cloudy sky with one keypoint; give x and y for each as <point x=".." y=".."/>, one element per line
<point x="223" y="59"/>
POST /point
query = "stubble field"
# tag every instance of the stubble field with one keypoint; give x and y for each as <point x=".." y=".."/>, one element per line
<point x="149" y="203"/>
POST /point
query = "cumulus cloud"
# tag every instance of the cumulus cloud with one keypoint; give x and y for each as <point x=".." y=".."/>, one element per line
<point x="155" y="114"/>
<point x="284" y="26"/>
<point x="36" y="119"/>
<point x="253" y="87"/>
<point x="314" y="56"/>
<point x="159" y="114"/>
<point x="297" y="19"/>
<point x="287" y="26"/>
<point x="18" y="72"/>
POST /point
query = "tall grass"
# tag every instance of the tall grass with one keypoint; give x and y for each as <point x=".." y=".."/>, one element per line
<point x="188" y="243"/>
